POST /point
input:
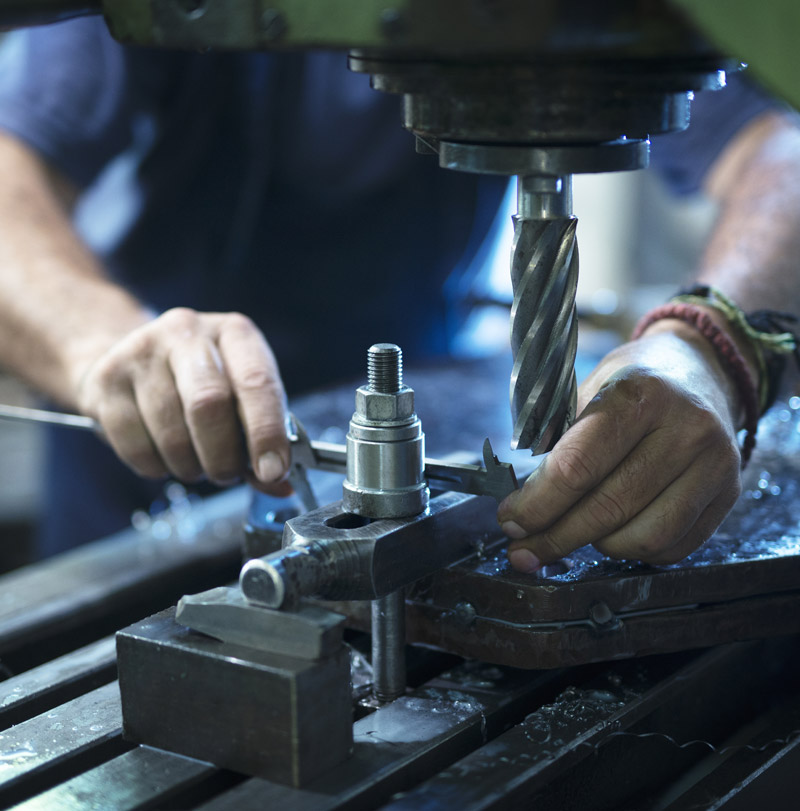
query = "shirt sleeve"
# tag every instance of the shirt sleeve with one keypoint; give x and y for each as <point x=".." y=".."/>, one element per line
<point x="684" y="158"/>
<point x="63" y="92"/>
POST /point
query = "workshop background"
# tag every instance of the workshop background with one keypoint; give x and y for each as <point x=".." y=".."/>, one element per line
<point x="638" y="243"/>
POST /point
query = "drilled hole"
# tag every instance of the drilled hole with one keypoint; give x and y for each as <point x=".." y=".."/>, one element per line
<point x="348" y="521"/>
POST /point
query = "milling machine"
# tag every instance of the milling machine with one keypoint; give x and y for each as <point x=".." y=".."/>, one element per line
<point x="256" y="678"/>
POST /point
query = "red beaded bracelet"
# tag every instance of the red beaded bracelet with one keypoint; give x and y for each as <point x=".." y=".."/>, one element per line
<point x="730" y="358"/>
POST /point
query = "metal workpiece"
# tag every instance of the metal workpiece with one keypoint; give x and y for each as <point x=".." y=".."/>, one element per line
<point x="308" y="632"/>
<point x="544" y="325"/>
<point x="285" y="718"/>
<point x="385" y="444"/>
<point x="331" y="554"/>
<point x="388" y="628"/>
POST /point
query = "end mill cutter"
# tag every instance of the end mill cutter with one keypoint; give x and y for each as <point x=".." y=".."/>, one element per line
<point x="544" y="328"/>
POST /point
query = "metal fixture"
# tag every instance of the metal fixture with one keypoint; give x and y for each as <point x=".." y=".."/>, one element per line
<point x="337" y="556"/>
<point x="385" y="443"/>
<point x="388" y="628"/>
<point x="278" y="716"/>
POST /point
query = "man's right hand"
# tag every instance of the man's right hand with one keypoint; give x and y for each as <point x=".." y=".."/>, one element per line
<point x="192" y="395"/>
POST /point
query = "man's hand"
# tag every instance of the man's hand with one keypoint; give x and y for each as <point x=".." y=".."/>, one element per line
<point x="650" y="468"/>
<point x="192" y="395"/>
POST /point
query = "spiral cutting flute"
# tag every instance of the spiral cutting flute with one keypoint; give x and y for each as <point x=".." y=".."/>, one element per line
<point x="544" y="328"/>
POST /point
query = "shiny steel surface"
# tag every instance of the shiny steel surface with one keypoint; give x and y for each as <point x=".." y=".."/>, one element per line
<point x="331" y="554"/>
<point x="308" y="632"/>
<point x="388" y="629"/>
<point x="385" y="443"/>
<point x="243" y="708"/>
<point x="544" y="326"/>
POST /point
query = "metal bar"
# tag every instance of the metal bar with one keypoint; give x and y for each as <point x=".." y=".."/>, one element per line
<point x="389" y="646"/>
<point x="38" y="690"/>
<point x="406" y="741"/>
<point x="755" y="770"/>
<point x="86" y="593"/>
<point x="21" y="414"/>
<point x="58" y="744"/>
<point x="459" y="630"/>
<point x="141" y="778"/>
<point x="556" y="758"/>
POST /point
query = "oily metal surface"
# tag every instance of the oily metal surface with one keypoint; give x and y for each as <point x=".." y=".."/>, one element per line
<point x="55" y="682"/>
<point x="253" y="711"/>
<point x="544" y="330"/>
<point x="88" y="592"/>
<point x="475" y="737"/>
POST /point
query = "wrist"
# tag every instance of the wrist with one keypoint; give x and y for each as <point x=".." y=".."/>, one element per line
<point x="690" y="335"/>
<point x="731" y="368"/>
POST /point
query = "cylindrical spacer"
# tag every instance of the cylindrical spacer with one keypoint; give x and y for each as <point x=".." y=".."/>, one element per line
<point x="385" y="444"/>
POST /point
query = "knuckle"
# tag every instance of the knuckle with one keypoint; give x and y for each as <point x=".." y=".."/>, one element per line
<point x="549" y="547"/>
<point x="178" y="319"/>
<point x="209" y="404"/>
<point x="107" y="374"/>
<point x="256" y="379"/>
<point x="606" y="511"/>
<point x="572" y="468"/>
<point x="239" y="322"/>
<point x="176" y="448"/>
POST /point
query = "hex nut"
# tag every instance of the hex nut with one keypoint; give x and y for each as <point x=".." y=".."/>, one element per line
<point x="379" y="407"/>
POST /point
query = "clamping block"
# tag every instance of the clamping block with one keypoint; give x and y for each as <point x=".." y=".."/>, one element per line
<point x="262" y="713"/>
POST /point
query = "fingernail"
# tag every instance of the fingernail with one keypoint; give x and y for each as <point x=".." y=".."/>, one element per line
<point x="523" y="560"/>
<point x="271" y="467"/>
<point x="513" y="530"/>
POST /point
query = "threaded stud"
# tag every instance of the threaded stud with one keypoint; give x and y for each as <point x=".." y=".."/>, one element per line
<point x="385" y="368"/>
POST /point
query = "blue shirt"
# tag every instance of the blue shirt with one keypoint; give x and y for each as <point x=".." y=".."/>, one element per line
<point x="280" y="185"/>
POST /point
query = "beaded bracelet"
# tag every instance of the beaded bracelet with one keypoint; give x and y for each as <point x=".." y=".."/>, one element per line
<point x="765" y="330"/>
<point x="729" y="356"/>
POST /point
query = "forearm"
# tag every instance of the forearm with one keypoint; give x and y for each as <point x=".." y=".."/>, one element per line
<point x="754" y="250"/>
<point x="58" y="311"/>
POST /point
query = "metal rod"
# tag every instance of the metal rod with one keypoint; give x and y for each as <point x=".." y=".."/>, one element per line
<point x="389" y="646"/>
<point x="544" y="327"/>
<point x="20" y="414"/>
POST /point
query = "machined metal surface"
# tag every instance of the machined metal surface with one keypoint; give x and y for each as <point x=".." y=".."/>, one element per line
<point x="280" y="717"/>
<point x="388" y="630"/>
<point x="622" y="155"/>
<point x="544" y="325"/>
<point x="385" y="444"/>
<point x="308" y="632"/>
<point x="52" y="683"/>
<point x="93" y="590"/>
<point x="330" y="554"/>
<point x="481" y="737"/>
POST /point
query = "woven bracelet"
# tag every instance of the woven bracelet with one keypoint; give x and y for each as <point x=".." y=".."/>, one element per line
<point x="729" y="356"/>
<point x="769" y="333"/>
